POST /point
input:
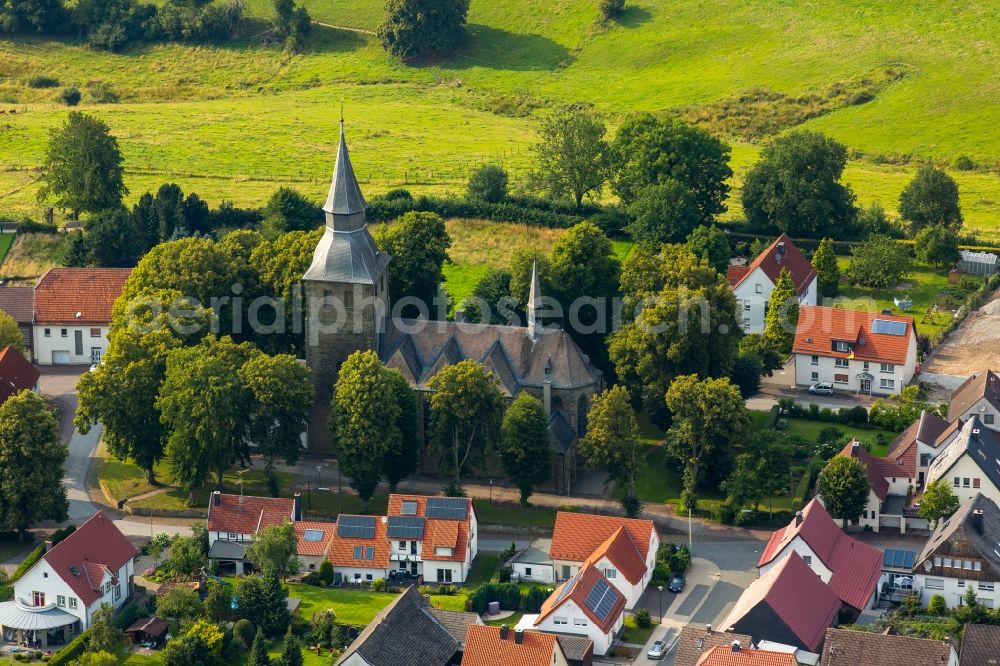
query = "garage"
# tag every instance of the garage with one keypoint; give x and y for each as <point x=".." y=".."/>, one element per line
<point x="60" y="357"/>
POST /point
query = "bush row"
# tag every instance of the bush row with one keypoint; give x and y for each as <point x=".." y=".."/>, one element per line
<point x="72" y="652"/>
<point x="37" y="553"/>
<point x="510" y="596"/>
<point x="856" y="416"/>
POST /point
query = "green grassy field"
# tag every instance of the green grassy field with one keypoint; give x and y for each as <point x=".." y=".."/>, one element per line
<point x="234" y="122"/>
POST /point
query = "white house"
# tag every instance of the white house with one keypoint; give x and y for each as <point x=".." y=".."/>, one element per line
<point x="978" y="396"/>
<point x="855" y="351"/>
<point x="969" y="463"/>
<point x="359" y="550"/>
<point x="433" y="537"/>
<point x="533" y="564"/>
<point x="962" y="555"/>
<point x="234" y="521"/>
<point x="752" y="284"/>
<point x="72" y="313"/>
<point x="58" y="596"/>
<point x="586" y="605"/>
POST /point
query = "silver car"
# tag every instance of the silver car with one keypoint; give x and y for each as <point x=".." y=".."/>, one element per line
<point x="657" y="650"/>
<point x="822" y="388"/>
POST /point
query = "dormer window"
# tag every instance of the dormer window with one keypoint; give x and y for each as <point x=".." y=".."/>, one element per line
<point x="841" y="346"/>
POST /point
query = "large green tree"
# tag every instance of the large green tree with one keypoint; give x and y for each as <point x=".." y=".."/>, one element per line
<point x="795" y="187"/>
<point x="104" y="635"/>
<point x="824" y="261"/>
<point x="666" y="212"/>
<point x="10" y="333"/>
<point x="263" y="600"/>
<point x="709" y="416"/>
<point x="651" y="151"/>
<point x="288" y="210"/>
<point x="274" y="548"/>
<point x="31" y="463"/>
<point x="879" y="262"/>
<point x="83" y="166"/>
<point x="612" y="441"/>
<point x="466" y="414"/>
<point x="32" y="16"/>
<point x="936" y="244"/>
<point x="524" y="445"/>
<point x="572" y="155"/>
<point x="782" y="313"/>
<point x="488" y="183"/>
<point x="281" y="400"/>
<point x="412" y="28"/>
<point x="492" y="293"/>
<point x="111" y="239"/>
<point x="418" y="244"/>
<point x="843" y="486"/>
<point x="931" y="198"/>
<point x="402" y="456"/>
<point x="710" y="243"/>
<point x="291" y="24"/>
<point x="938" y="502"/>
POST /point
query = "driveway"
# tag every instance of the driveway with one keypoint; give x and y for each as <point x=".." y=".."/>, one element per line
<point x="782" y="385"/>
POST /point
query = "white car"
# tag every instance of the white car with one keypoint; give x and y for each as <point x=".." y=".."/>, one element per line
<point x="822" y="388"/>
<point x="657" y="650"/>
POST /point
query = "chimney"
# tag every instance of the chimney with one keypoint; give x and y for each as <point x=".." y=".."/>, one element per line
<point x="798" y="518"/>
<point x="547" y="396"/>
<point x="708" y="629"/>
<point x="296" y="507"/>
<point x="519" y="636"/>
<point x="977" y="521"/>
<point x="48" y="545"/>
<point x="504" y="629"/>
<point x="855" y="446"/>
<point x="736" y="647"/>
<point x="217" y="498"/>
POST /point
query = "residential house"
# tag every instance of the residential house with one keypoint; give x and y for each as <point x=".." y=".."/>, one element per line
<point x="850" y="568"/>
<point x="360" y="549"/>
<point x="578" y="650"/>
<point x="979" y="395"/>
<point x="72" y="314"/>
<point x="57" y="597"/>
<point x="856" y="351"/>
<point x="409" y="631"/>
<point x="738" y="655"/>
<point x="234" y="521"/>
<point x="852" y="648"/>
<point x="694" y="643"/>
<point x="969" y="463"/>
<point x="16" y="373"/>
<point x="789" y="604"/>
<point x="586" y="605"/>
<point x="623" y="549"/>
<point x="533" y="564"/>
<point x="19" y="303"/>
<point x="980" y="645"/>
<point x="962" y="554"/>
<point x="433" y="537"/>
<point x="752" y="284"/>
<point x="314" y="539"/>
<point x="914" y="449"/>
<point x="491" y="646"/>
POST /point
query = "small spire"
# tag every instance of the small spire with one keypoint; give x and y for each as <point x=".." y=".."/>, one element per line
<point x="534" y="304"/>
<point x="345" y="196"/>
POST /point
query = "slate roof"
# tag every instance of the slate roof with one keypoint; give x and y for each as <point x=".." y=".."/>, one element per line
<point x="796" y="595"/>
<point x="345" y="196"/>
<point x="63" y="292"/>
<point x="561" y="433"/>
<point x="984" y="385"/>
<point x="621" y="551"/>
<point x="404" y="632"/>
<point x="16" y="373"/>
<point x="577" y="535"/>
<point x="457" y="623"/>
<point x="722" y="655"/>
<point x="873" y="466"/>
<point x="96" y="547"/>
<point x="961" y="526"/>
<point x="582" y="583"/>
<point x="695" y="641"/>
<point x="819" y="326"/>
<point x="980" y="645"/>
<point x="781" y="253"/>
<point x="18" y="302"/>
<point x="247" y="514"/>
<point x="851" y="648"/>
<point x="313" y="548"/>
<point x="342" y="549"/>
<point x="484" y="647"/>
<point x="981" y="444"/>
<point x="856" y="566"/>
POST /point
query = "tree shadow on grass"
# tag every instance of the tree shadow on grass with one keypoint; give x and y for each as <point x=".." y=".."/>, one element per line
<point x="633" y="17"/>
<point x="486" y="46"/>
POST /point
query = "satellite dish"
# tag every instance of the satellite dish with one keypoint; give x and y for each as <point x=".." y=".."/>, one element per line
<point x="928" y="565"/>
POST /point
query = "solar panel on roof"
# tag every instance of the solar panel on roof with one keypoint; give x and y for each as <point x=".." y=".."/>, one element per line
<point x="405" y="527"/>
<point x="447" y="508"/>
<point x="601" y="599"/>
<point x="408" y="508"/>
<point x="357" y="527"/>
<point x="567" y="588"/>
<point x="313" y="535"/>
<point x="887" y="327"/>
<point x="898" y="559"/>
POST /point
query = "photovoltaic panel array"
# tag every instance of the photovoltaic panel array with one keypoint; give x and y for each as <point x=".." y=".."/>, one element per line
<point x="601" y="599"/>
<point x="567" y="588"/>
<point x="898" y="559"/>
<point x="887" y="327"/>
<point x="447" y="508"/>
<point x="405" y="527"/>
<point x="357" y="527"/>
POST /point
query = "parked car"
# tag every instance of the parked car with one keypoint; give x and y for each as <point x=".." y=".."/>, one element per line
<point x="821" y="388"/>
<point x="676" y="583"/>
<point x="657" y="650"/>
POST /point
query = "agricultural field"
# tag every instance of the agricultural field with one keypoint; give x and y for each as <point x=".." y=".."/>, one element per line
<point x="234" y="122"/>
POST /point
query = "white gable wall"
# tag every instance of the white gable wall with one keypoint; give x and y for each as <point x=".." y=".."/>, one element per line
<point x="43" y="578"/>
<point x="984" y="410"/>
<point x="966" y="471"/>
<point x="752" y="295"/>
<point x="570" y="619"/>
<point x="798" y="545"/>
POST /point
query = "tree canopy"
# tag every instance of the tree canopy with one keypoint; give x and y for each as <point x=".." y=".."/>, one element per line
<point x="288" y="210"/>
<point x="263" y="600"/>
<point x="282" y="393"/>
<point x="938" y="502"/>
<point x="782" y="313"/>
<point x="612" y="441"/>
<point x="274" y="548"/>
<point x="418" y="244"/>
<point x="936" y="244"/>
<point x="10" y="333"/>
<point x="710" y="242"/>
<point x="666" y="212"/>
<point x="83" y="166"/>
<point x="879" y="262"/>
<point x="824" y="261"/>
<point x="572" y="155"/>
<point x="931" y="198"/>
<point x="524" y="445"/>
<point x="843" y="485"/>
<point x="416" y="27"/>
<point x="488" y="183"/>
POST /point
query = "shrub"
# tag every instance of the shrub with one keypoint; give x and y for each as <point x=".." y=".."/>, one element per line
<point x="488" y="183"/>
<point x="532" y="599"/>
<point x="398" y="194"/>
<point x="245" y="631"/>
<point x="642" y="619"/>
<point x="70" y="96"/>
<point x="42" y="81"/>
<point x="680" y="560"/>
<point x="71" y="653"/>
<point x="315" y="579"/>
<point x="101" y="92"/>
<point x="378" y="585"/>
<point x="936" y="605"/>
<point x="611" y="8"/>
<point x="508" y="594"/>
<point x="964" y="163"/>
<point x="326" y="573"/>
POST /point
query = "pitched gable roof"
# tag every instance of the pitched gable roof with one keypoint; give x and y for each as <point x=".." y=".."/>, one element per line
<point x="578" y="588"/>
<point x="780" y="254"/>
<point x="577" y="535"/>
<point x="850" y="648"/>
<point x="979" y="443"/>
<point x="734" y="274"/>
<point x="820" y="326"/>
<point x="18" y="302"/>
<point x="343" y="548"/>
<point x="438" y="532"/>
<point x="62" y="293"/>
<point x="930" y="430"/>
<point x="796" y="595"/>
<point x="980" y="645"/>
<point x="876" y="481"/>
<point x="975" y="388"/>
<point x="695" y="642"/>
<point x="485" y="647"/>
<point x="722" y="655"/>
<point x="982" y="531"/>
<point x="247" y="514"/>
<point x="314" y="538"/>
<point x="16" y="373"/>
<point x="621" y="551"/>
<point x="456" y="623"/>
<point x="83" y="558"/>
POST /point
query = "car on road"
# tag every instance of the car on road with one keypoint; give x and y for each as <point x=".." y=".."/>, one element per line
<point x="821" y="388"/>
<point x="657" y="650"/>
<point x="676" y="583"/>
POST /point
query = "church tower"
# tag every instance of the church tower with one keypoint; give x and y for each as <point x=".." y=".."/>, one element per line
<point x="345" y="291"/>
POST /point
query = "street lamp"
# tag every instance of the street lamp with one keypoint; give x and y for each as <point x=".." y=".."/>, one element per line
<point x="660" y="588"/>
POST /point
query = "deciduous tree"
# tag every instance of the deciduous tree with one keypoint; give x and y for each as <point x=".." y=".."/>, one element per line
<point x="488" y="183"/>
<point x="612" y="441"/>
<point x="666" y="212"/>
<point x="291" y="24"/>
<point x="10" y="333"/>
<point x="415" y="27"/>
<point x="938" y="502"/>
<point x="104" y="635"/>
<point x="401" y="460"/>
<point x="824" y="261"/>
<point x="418" y="244"/>
<point x="281" y="398"/>
<point x="931" y="198"/>
<point x="492" y="292"/>
<point x="843" y="485"/>
<point x="572" y="155"/>
<point x="288" y="210"/>
<point x="83" y="166"/>
<point x="936" y="244"/>
<point x="186" y="556"/>
<point x="710" y="242"/>
<point x="524" y="445"/>
<point x="179" y="603"/>
<point x="110" y="241"/>
<point x="782" y="313"/>
<point x="274" y="548"/>
<point x="263" y="600"/>
<point x="879" y="262"/>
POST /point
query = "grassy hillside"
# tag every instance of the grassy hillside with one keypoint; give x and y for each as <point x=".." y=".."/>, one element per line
<point x="894" y="81"/>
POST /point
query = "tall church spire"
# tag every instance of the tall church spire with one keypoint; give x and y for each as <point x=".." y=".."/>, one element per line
<point x="345" y="206"/>
<point x="535" y="304"/>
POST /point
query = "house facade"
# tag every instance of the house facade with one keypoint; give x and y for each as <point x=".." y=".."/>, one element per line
<point x="968" y="464"/>
<point x="752" y="284"/>
<point x="433" y="537"/>
<point x="856" y="351"/>
<point x="234" y="521"/>
<point x="978" y="396"/>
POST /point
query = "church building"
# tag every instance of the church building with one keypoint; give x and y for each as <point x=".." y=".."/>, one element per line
<point x="348" y="309"/>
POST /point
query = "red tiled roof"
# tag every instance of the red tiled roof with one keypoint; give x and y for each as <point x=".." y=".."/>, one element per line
<point x="62" y="293"/>
<point x="438" y="532"/>
<point x="16" y="373"/>
<point x="735" y="273"/>
<point x="769" y="263"/>
<point x="18" y="302"/>
<point x="341" y="552"/>
<point x="313" y="548"/>
<point x="577" y="535"/>
<point x="819" y="326"/>
<point x="876" y="480"/>
<point x="95" y="547"/>
<point x="484" y="647"/>
<point x="796" y="595"/>
<point x="722" y="655"/>
<point x="856" y="566"/>
<point x="583" y="582"/>
<point x="621" y="551"/>
<point x="247" y="514"/>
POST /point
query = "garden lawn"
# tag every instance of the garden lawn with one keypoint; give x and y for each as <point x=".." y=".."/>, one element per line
<point x="355" y="607"/>
<point x="485" y="568"/>
<point x="494" y="514"/>
<point x="810" y="430"/>
<point x="451" y="602"/>
<point x="634" y="634"/>
<point x="510" y="621"/>
<point x="6" y="240"/>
